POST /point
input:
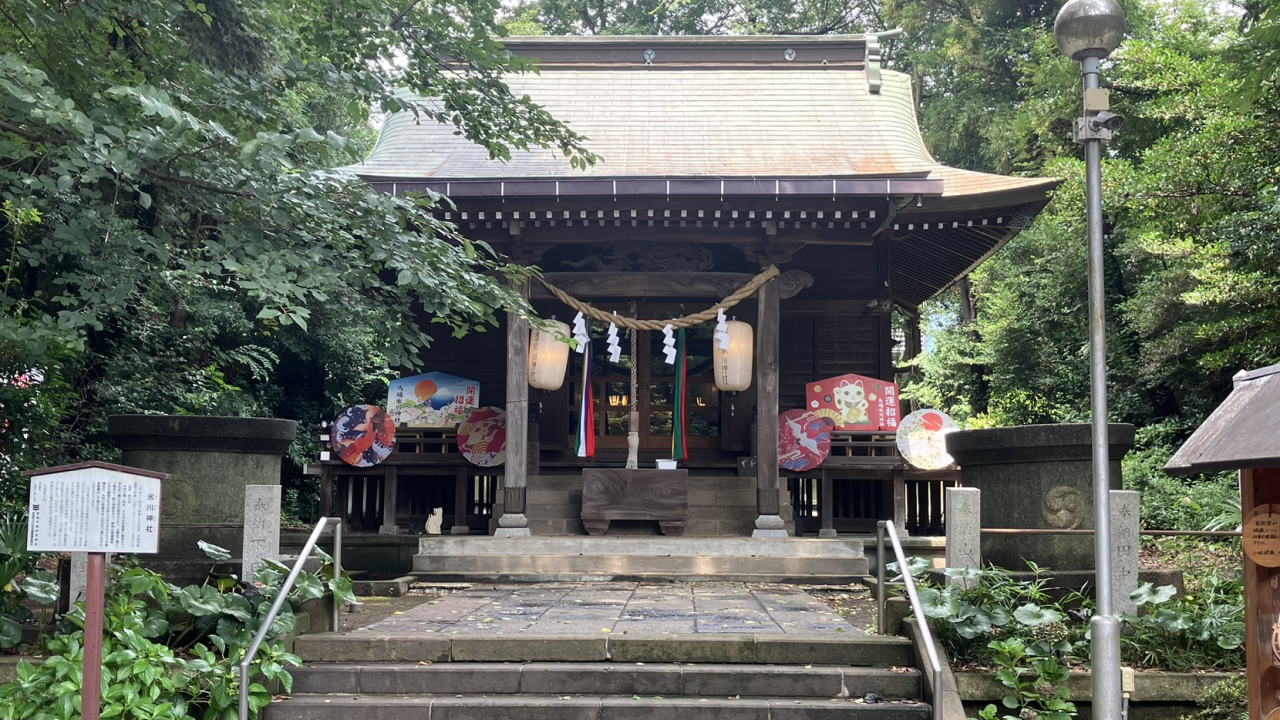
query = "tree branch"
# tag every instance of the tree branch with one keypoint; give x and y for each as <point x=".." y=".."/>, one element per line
<point x="192" y="182"/>
<point x="28" y="135"/>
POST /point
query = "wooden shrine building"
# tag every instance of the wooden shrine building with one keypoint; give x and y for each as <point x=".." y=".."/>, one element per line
<point x="720" y="156"/>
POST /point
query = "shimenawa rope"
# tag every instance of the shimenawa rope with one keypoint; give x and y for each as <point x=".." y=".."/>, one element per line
<point x="738" y="296"/>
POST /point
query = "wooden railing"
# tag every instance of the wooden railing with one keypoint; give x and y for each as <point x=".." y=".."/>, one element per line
<point x="423" y="472"/>
<point x="868" y="481"/>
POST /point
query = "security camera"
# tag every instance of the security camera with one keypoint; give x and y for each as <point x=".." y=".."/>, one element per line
<point x="1105" y="120"/>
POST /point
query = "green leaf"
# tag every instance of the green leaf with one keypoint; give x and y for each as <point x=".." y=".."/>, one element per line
<point x="202" y="600"/>
<point x="213" y="551"/>
<point x="154" y="625"/>
<point x="342" y="592"/>
<point x="309" y="586"/>
<point x="42" y="587"/>
<point x="10" y="632"/>
<point x="973" y="626"/>
<point x="1032" y="615"/>
<point x="915" y="564"/>
<point x="238" y="607"/>
<point x="1145" y="595"/>
<point x="936" y="603"/>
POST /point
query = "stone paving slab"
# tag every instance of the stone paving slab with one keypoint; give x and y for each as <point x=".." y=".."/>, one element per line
<point x="591" y="610"/>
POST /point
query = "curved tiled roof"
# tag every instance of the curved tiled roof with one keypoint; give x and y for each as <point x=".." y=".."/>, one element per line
<point x="784" y="120"/>
<point x="696" y="122"/>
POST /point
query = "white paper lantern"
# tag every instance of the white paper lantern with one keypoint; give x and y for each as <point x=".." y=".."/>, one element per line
<point x="548" y="355"/>
<point x="733" y="364"/>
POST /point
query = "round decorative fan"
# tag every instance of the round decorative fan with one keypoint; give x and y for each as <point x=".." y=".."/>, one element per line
<point x="804" y="440"/>
<point x="921" y="439"/>
<point x="482" y="437"/>
<point x="363" y="435"/>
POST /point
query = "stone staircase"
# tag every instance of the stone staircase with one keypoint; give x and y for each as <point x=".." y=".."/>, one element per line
<point x="614" y="677"/>
<point x="452" y="558"/>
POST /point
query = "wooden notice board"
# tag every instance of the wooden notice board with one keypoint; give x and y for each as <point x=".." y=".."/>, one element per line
<point x="1261" y="487"/>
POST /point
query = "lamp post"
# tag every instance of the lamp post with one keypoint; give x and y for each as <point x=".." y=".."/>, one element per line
<point x="1088" y="31"/>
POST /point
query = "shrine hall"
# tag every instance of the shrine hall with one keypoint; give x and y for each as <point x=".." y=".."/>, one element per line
<point x="785" y="174"/>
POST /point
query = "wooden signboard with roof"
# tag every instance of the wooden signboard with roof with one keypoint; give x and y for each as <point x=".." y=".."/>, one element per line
<point x="95" y="508"/>
<point x="1241" y="435"/>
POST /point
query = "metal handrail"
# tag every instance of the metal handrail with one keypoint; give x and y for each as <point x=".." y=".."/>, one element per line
<point x="284" y="597"/>
<point x="926" y="636"/>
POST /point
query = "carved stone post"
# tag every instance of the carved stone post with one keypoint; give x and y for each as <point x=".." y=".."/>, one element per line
<point x="769" y="523"/>
<point x="513" y="520"/>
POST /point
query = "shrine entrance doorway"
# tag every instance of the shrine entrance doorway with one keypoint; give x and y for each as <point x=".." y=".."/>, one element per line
<point x="656" y="399"/>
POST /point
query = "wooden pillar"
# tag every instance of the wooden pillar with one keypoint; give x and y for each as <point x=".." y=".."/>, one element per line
<point x="769" y="523"/>
<point x="900" y="502"/>
<point x="390" y="489"/>
<point x="826" y="506"/>
<point x="1260" y="486"/>
<point x="326" y="491"/>
<point x="461" y="502"/>
<point x="513" y="520"/>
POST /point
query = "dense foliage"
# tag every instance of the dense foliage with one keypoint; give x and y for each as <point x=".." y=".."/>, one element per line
<point x="986" y="609"/>
<point x="20" y="583"/>
<point x="1192" y="205"/>
<point x="169" y="240"/>
<point x="167" y="243"/>
<point x="171" y="653"/>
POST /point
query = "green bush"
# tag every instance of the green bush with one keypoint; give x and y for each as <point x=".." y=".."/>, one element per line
<point x="1225" y="700"/>
<point x="170" y="653"/>
<point x="1204" y="630"/>
<point x="1201" y="631"/>
<point x="1170" y="503"/>
<point x="1039" y="691"/>
<point x="37" y="586"/>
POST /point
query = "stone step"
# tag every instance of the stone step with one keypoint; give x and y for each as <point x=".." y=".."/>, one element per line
<point x="622" y="567"/>
<point x="831" y="549"/>
<point x="666" y="679"/>
<point x="485" y="576"/>
<point x="743" y="559"/>
<point x="763" y="649"/>
<point x="585" y="707"/>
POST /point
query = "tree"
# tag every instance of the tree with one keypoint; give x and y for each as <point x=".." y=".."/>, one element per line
<point x="696" y="17"/>
<point x="168" y="230"/>
<point x="1192" y="210"/>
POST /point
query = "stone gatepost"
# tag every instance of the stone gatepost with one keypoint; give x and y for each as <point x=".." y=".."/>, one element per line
<point x="79" y="578"/>
<point x="1124" y="549"/>
<point x="964" y="532"/>
<point x="261" y="528"/>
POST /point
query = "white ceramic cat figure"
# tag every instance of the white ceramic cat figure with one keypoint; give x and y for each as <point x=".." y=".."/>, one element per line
<point x="851" y="400"/>
<point x="434" y="520"/>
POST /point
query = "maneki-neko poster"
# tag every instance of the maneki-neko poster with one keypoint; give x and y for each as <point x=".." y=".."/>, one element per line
<point x="432" y="400"/>
<point x="855" y="403"/>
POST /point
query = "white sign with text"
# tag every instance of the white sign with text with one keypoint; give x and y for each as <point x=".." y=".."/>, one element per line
<point x="95" y="510"/>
